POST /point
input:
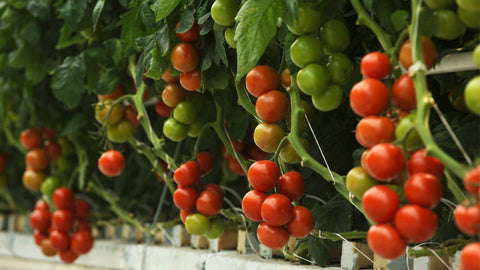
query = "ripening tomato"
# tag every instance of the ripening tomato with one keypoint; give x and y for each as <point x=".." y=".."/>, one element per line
<point x="191" y="35"/>
<point x="40" y="220"/>
<point x="63" y="219"/>
<point x="105" y="108"/>
<point x="372" y="130"/>
<point x="263" y="175"/>
<point x="52" y="149"/>
<point x="261" y="79"/>
<point x="385" y="241"/>
<point x="277" y="210"/>
<point x="111" y="163"/>
<point x="197" y="224"/>
<point x="423" y="189"/>
<point x="375" y="65"/>
<point x="415" y="224"/>
<point x="256" y="153"/>
<point x="36" y="159"/>
<point x="130" y="114"/>
<point x="63" y="198"/>
<point x="173" y="94"/>
<point x="82" y="225"/>
<point x="185" y="57"/>
<point x="67" y="256"/>
<point x="39" y="236"/>
<point x="467" y="218"/>
<point x="272" y="106"/>
<point x="252" y="204"/>
<point x="42" y="205"/>
<point x="267" y="136"/>
<point x="81" y="242"/>
<point x="185" y="198"/>
<point x="167" y="76"/>
<point x="184" y="214"/>
<point x="120" y="132"/>
<point x="60" y="240"/>
<point x="209" y="202"/>
<point x="403" y="93"/>
<point x="358" y="181"/>
<point x="47" y="248"/>
<point x="48" y="133"/>
<point x="162" y="109"/>
<point x="428" y="49"/>
<point x="384" y="161"/>
<point x="302" y="222"/>
<point x="31" y="138"/>
<point x="33" y="180"/>
<point x="380" y="203"/>
<point x="369" y="97"/>
<point x="187" y="174"/>
<point x="420" y="162"/>
<point x="234" y="165"/>
<point x="292" y="185"/>
<point x="191" y="80"/>
<point x="285" y="77"/>
<point x="216" y="229"/>
<point x="470" y="257"/>
<point x="272" y="236"/>
<point x="471" y="181"/>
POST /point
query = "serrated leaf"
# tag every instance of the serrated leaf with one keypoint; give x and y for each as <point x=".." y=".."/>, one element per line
<point x="130" y="28"/>
<point x="256" y="26"/>
<point x="186" y="20"/>
<point x="165" y="7"/>
<point x="113" y="47"/>
<point x="220" y="53"/>
<point x="156" y="66"/>
<point x="147" y="15"/>
<point x="400" y="19"/>
<point x="66" y="40"/>
<point x="73" y="12"/>
<point x="97" y="10"/>
<point x="162" y="39"/>
<point x="68" y="81"/>
<point x="107" y="83"/>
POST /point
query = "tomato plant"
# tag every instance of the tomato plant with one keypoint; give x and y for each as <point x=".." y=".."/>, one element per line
<point x="191" y="35"/>
<point x="276" y="210"/>
<point x="292" y="185"/>
<point x="380" y="203"/>
<point x="223" y="12"/>
<point x="197" y="224"/>
<point x="369" y="97"/>
<point x="335" y="35"/>
<point x="111" y="163"/>
<point x="306" y="50"/>
<point x="261" y="79"/>
<point x="306" y="21"/>
<point x="358" y="181"/>
<point x="272" y="106"/>
<point x="185" y="57"/>
<point x="429" y="52"/>
<point x="263" y="175"/>
<point x="252" y="203"/>
<point x="467" y="218"/>
<point x="372" y="130"/>
<point x="385" y="241"/>
<point x="415" y="223"/>
<point x="403" y="93"/>
<point x="423" y="189"/>
<point x="375" y="65"/>
<point x="302" y="222"/>
<point x="271" y="236"/>
<point x="384" y="161"/>
<point x="81" y="242"/>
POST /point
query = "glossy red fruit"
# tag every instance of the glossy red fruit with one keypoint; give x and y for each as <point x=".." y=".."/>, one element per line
<point x="302" y="222"/>
<point x="384" y="161"/>
<point x="375" y="65"/>
<point x="63" y="198"/>
<point x="185" y="198"/>
<point x="167" y="76"/>
<point x="82" y="209"/>
<point x="369" y="97"/>
<point x="261" y="79"/>
<point x="67" y="256"/>
<point x="471" y="181"/>
<point x="263" y="175"/>
<point x="162" y="109"/>
<point x="277" y="210"/>
<point x="191" y="35"/>
<point x="63" y="220"/>
<point x="272" y="106"/>
<point x="60" y="240"/>
<point x="420" y="162"/>
<point x="415" y="223"/>
<point x="40" y="220"/>
<point x="31" y="138"/>
<point x="204" y="163"/>
<point x="385" y="241"/>
<point x="53" y="150"/>
<point x="209" y="202"/>
<point x="403" y="93"/>
<point x="185" y="57"/>
<point x="470" y="257"/>
<point x="252" y="204"/>
<point x="271" y="236"/>
<point x="111" y="163"/>
<point x="380" y="203"/>
<point x="42" y="205"/>
<point x="372" y="130"/>
<point x="467" y="218"/>
<point x="292" y="185"/>
<point x="39" y="236"/>
<point x="81" y="242"/>
<point x="187" y="174"/>
<point x="191" y="80"/>
<point x="423" y="189"/>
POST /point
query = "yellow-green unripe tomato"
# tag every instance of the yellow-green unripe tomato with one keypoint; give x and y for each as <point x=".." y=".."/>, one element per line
<point x="306" y="22"/>
<point x="469" y="18"/>
<point x="335" y="36"/>
<point x="216" y="229"/>
<point x="313" y="79"/>
<point x="476" y="55"/>
<point x="49" y="185"/>
<point x="449" y="25"/>
<point x="358" y="181"/>
<point x="472" y="95"/>
<point x="328" y="100"/>
<point x="406" y="127"/>
<point x="473" y="5"/>
<point x="120" y="132"/>
<point x="439" y="4"/>
<point x="197" y="224"/>
<point x="306" y="50"/>
<point x="288" y="153"/>
<point x="223" y="12"/>
<point x="230" y="37"/>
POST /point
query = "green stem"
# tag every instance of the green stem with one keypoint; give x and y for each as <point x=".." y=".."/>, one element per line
<point x="340" y="236"/>
<point x="245" y="102"/>
<point x="365" y="19"/>
<point x="444" y="250"/>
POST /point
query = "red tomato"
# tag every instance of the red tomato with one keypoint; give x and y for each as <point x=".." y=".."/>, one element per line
<point x="39" y="236"/>
<point x="185" y="198"/>
<point x="372" y="130"/>
<point x="204" y="162"/>
<point x="403" y="93"/>
<point x="191" y="80"/>
<point x="131" y="115"/>
<point x="471" y="181"/>
<point x="31" y="138"/>
<point x="40" y="220"/>
<point x="384" y="161"/>
<point x="63" y="198"/>
<point x="48" y="133"/>
<point x="272" y="106"/>
<point x="209" y="203"/>
<point x="261" y="79"/>
<point x="60" y="240"/>
<point x="271" y="236"/>
<point x="375" y="65"/>
<point x="415" y="223"/>
<point x="277" y="210"/>
<point x="263" y="175"/>
<point x="173" y="94"/>
<point x="423" y="189"/>
<point x="302" y="222"/>
<point x="184" y="214"/>
<point x="42" y="205"/>
<point x="63" y="220"/>
<point x="117" y="92"/>
<point x="111" y="163"/>
<point x="83" y="226"/>
<point x="467" y="218"/>
<point x="162" y="109"/>
<point x="292" y="185"/>
<point x="234" y="165"/>
<point x="185" y="57"/>
<point x="81" y="209"/>
<point x="187" y="174"/>
<point x="252" y="204"/>
<point x="81" y="243"/>
<point x="385" y="241"/>
<point x="67" y="256"/>
<point x="2" y="162"/>
<point x="53" y="149"/>
<point x="428" y="49"/>
<point x="420" y="162"/>
<point x="369" y="97"/>
<point x="470" y="257"/>
<point x="216" y="188"/>
<point x="167" y="76"/>
<point x="256" y="153"/>
<point x="191" y="35"/>
<point x="380" y="203"/>
<point x="36" y="159"/>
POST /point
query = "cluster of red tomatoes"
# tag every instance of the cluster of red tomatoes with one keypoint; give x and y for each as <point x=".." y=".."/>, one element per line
<point x="248" y="153"/>
<point x="64" y="231"/>
<point x="43" y="149"/>
<point x="198" y="210"/>
<point x="279" y="218"/>
<point x="121" y="120"/>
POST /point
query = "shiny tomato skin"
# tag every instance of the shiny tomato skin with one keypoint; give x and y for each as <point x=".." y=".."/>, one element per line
<point x="403" y="93"/>
<point x="467" y="218"/>
<point x="33" y="180"/>
<point x="47" y="248"/>
<point x="277" y="210"/>
<point x="67" y="256"/>
<point x="234" y="166"/>
<point x="372" y="130"/>
<point x="191" y="80"/>
<point x="375" y="65"/>
<point x="470" y="257"/>
<point x="167" y="76"/>
<point x="82" y="209"/>
<point x="302" y="222"/>
<point x="385" y="241"/>
<point x="261" y="79"/>
<point x="272" y="106"/>
<point x="162" y="109"/>
<point x="191" y="35"/>
<point x="429" y="53"/>
<point x="252" y="203"/>
<point x="263" y="175"/>
<point x="423" y="189"/>
<point x="40" y="220"/>
<point x="471" y="181"/>
<point x="63" y="198"/>
<point x="185" y="198"/>
<point x="39" y="236"/>
<point x="116" y="93"/>
<point x="31" y="138"/>
<point x="384" y="161"/>
<point x="173" y="94"/>
<point x="82" y="225"/>
<point x="185" y="57"/>
<point x="420" y="162"/>
<point x="36" y="159"/>
<point x="272" y="236"/>
<point x="42" y="205"/>
<point x="111" y="163"/>
<point x="60" y="240"/>
<point x="209" y="203"/>
<point x="204" y="163"/>
<point x="187" y="174"/>
<point x="292" y="185"/>
<point x="184" y="214"/>
<point x="415" y="223"/>
<point x="380" y="203"/>
<point x="81" y="242"/>
<point x="267" y="136"/>
<point x="63" y="220"/>
<point x="369" y="97"/>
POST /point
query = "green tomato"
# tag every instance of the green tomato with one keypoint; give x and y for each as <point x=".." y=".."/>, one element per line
<point x="288" y="153"/>
<point x="306" y="50"/>
<point x="439" y="4"/>
<point x="472" y="5"/>
<point x="407" y="125"/>
<point x="185" y="112"/>
<point x="120" y="132"/>
<point x="307" y="20"/>
<point x="65" y="163"/>
<point x="328" y="100"/>
<point x="49" y="185"/>
<point x="230" y="37"/>
<point x="197" y="224"/>
<point x="335" y="36"/>
<point x="340" y="67"/>
<point x="358" y="181"/>
<point x="472" y="95"/>
<point x="476" y="55"/>
<point x="313" y="79"/>
<point x="3" y="181"/>
<point x="216" y="229"/>
<point x="195" y="128"/>
<point x="469" y="18"/>
<point x="449" y="25"/>
<point x="223" y="12"/>
<point x="174" y="130"/>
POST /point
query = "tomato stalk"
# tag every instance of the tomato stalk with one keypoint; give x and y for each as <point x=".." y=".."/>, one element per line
<point x="446" y="248"/>
<point x="339" y="236"/>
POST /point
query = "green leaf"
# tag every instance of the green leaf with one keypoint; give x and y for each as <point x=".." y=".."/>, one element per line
<point x="156" y="66"/>
<point x="32" y="34"/>
<point x="23" y="57"/>
<point x="186" y="20"/>
<point x="162" y="39"/>
<point x="18" y="4"/>
<point x="113" y="47"/>
<point x="36" y="71"/>
<point x="291" y="6"/>
<point x="256" y="26"/>
<point x="216" y="78"/>
<point x="147" y="15"/>
<point x="76" y="122"/>
<point x="108" y="81"/>
<point x="97" y="10"/>
<point x="73" y="12"/>
<point x="400" y="19"/>
<point x="165" y="7"/>
<point x="220" y="54"/>
<point x="130" y="28"/>
<point x="66" y="39"/>
<point x="68" y="81"/>
<point x="39" y="8"/>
